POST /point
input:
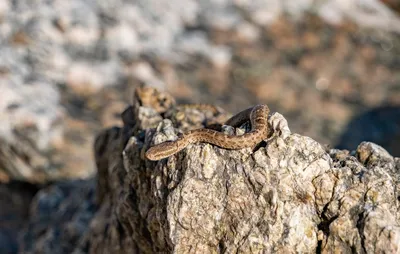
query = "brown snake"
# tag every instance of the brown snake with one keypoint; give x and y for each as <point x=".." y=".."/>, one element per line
<point x="258" y="116"/>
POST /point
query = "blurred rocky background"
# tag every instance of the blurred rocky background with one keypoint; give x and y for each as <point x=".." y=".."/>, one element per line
<point x="68" y="68"/>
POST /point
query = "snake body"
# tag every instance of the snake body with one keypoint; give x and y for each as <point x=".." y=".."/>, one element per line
<point x="258" y="116"/>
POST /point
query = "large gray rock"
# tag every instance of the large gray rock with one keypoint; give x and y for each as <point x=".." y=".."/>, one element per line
<point x="290" y="195"/>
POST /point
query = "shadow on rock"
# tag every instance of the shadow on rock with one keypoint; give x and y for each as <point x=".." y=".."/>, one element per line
<point x="15" y="198"/>
<point x="379" y="125"/>
<point x="59" y="217"/>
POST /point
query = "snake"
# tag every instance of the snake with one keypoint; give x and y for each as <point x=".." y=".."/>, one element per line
<point x="258" y="116"/>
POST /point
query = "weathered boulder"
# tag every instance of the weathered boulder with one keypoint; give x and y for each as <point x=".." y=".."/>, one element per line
<point x="290" y="194"/>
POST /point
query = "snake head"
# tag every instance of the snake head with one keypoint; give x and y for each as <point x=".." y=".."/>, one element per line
<point x="162" y="150"/>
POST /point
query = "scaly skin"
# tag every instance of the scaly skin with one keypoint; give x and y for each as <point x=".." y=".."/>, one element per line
<point x="258" y="116"/>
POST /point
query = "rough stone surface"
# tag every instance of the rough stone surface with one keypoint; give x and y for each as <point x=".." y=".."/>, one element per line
<point x="289" y="195"/>
<point x="363" y="210"/>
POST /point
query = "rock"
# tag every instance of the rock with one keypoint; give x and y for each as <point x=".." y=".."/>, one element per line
<point x="248" y="32"/>
<point x="59" y="217"/>
<point x="380" y="125"/>
<point x="379" y="16"/>
<point x="31" y="130"/>
<point x="15" y="198"/>
<point x="362" y="215"/>
<point x="289" y="195"/>
<point x="87" y="78"/>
